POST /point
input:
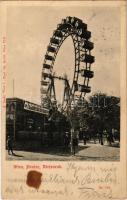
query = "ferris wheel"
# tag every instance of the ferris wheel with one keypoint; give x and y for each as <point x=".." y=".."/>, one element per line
<point x="76" y="29"/>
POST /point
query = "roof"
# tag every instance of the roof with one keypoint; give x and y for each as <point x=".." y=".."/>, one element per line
<point x="29" y="105"/>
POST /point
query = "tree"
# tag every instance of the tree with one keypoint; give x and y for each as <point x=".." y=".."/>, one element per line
<point x="105" y="114"/>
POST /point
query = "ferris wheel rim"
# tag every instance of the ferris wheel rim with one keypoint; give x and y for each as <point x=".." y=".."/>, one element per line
<point x="65" y="34"/>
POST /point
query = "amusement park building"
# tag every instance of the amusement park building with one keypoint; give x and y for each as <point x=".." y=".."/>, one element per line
<point x="24" y="120"/>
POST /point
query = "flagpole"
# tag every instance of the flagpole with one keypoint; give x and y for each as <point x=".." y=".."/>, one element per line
<point x="13" y="87"/>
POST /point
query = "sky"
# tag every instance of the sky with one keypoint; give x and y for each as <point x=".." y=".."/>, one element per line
<point x="29" y="29"/>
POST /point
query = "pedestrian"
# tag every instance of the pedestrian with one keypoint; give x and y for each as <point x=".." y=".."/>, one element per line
<point x="66" y="141"/>
<point x="10" y="145"/>
<point x="84" y="139"/>
<point x="75" y="142"/>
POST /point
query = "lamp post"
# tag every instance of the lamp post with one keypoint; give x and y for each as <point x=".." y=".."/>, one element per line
<point x="72" y="123"/>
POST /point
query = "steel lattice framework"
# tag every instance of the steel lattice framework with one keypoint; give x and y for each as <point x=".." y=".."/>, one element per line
<point x="77" y="30"/>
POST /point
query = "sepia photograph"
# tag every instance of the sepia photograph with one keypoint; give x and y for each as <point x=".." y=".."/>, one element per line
<point x="63" y="100"/>
<point x="63" y="83"/>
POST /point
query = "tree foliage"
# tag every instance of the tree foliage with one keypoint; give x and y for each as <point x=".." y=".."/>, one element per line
<point x="101" y="112"/>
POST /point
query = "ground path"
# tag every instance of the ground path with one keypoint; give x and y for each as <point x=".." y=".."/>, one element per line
<point x="88" y="152"/>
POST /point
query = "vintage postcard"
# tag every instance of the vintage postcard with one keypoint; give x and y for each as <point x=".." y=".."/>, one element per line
<point x="64" y="100"/>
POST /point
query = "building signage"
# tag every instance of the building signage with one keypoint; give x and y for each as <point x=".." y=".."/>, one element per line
<point x="35" y="108"/>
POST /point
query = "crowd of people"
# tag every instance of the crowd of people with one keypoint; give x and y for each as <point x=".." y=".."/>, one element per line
<point x="72" y="139"/>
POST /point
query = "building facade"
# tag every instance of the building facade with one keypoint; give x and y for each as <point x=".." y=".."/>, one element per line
<point x="29" y="124"/>
<point x="24" y="120"/>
